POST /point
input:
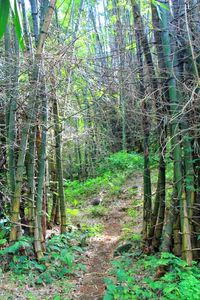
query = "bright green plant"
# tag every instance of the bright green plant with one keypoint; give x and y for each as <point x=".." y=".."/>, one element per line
<point x="136" y="237"/>
<point x="58" y="262"/>
<point x="5" y="6"/>
<point x="4" y="231"/>
<point x="132" y="213"/>
<point x="179" y="281"/>
<point x="111" y="175"/>
<point x="121" y="161"/>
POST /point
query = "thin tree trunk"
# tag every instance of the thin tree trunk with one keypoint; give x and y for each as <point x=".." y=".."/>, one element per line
<point x="175" y="136"/>
<point x="142" y="42"/>
<point x="42" y="159"/>
<point x="59" y="166"/>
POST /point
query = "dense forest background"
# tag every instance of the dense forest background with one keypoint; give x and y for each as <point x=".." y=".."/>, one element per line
<point x="82" y="80"/>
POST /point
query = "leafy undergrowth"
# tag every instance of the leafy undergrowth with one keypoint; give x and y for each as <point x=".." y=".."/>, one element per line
<point x="62" y="258"/>
<point x="152" y="277"/>
<point x="111" y="175"/>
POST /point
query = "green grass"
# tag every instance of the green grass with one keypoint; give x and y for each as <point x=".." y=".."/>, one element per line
<point x="121" y="161"/>
<point x="111" y="175"/>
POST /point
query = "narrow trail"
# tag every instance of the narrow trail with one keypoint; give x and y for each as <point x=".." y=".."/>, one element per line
<point x="90" y="286"/>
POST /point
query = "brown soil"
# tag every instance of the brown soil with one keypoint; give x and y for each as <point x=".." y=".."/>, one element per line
<point x="90" y="286"/>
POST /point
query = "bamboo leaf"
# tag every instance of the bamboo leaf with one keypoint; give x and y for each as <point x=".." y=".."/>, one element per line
<point x="5" y="5"/>
<point x="18" y="23"/>
<point x="12" y="5"/>
<point x="159" y="12"/>
<point x="4" y="12"/>
<point x="158" y="3"/>
<point x="162" y="5"/>
<point x="159" y="6"/>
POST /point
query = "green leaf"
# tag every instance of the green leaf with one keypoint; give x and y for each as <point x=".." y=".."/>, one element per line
<point x="4" y="12"/>
<point x="12" y="5"/>
<point x="3" y="241"/>
<point x="162" y="5"/>
<point x="108" y="297"/>
<point x="57" y="297"/>
<point x="18" y="24"/>
<point x="159" y="6"/>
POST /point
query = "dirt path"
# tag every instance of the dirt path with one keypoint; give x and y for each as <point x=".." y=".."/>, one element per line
<point x="100" y="251"/>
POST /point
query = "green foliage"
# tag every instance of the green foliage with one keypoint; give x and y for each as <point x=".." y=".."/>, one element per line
<point x="76" y="191"/>
<point x="60" y="259"/>
<point x="72" y="212"/>
<point x="114" y="186"/>
<point x="15" y="248"/>
<point x="132" y="213"/>
<point x="4" y="9"/>
<point x="136" y="237"/>
<point x="111" y="175"/>
<point x="93" y="230"/>
<point x="99" y="211"/>
<point x="17" y="22"/>
<point x="159" y="4"/>
<point x="121" y="161"/>
<point x="5" y="6"/>
<point x="180" y="282"/>
<point x="4" y="231"/>
<point x="128" y="235"/>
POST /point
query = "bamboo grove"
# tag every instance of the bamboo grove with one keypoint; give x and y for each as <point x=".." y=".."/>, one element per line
<point x="96" y="77"/>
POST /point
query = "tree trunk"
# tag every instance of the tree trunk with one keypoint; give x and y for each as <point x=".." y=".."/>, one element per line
<point x="59" y="166"/>
<point x="175" y="136"/>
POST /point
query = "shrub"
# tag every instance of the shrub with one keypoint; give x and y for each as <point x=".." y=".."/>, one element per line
<point x="180" y="282"/>
<point x="59" y="260"/>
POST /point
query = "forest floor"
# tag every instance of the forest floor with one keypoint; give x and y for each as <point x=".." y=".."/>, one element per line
<point x="116" y="223"/>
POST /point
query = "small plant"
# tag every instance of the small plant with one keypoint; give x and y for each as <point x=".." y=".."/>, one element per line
<point x="99" y="211"/>
<point x="179" y="281"/>
<point x="72" y="212"/>
<point x="136" y="237"/>
<point x="93" y="230"/>
<point x="132" y="192"/>
<point x="132" y="213"/>
<point x="121" y="161"/>
<point x="4" y="231"/>
<point x="58" y="262"/>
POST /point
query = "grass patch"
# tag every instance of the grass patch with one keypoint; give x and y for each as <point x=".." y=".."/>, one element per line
<point x="132" y="213"/>
<point x="121" y="161"/>
<point x="111" y="175"/>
